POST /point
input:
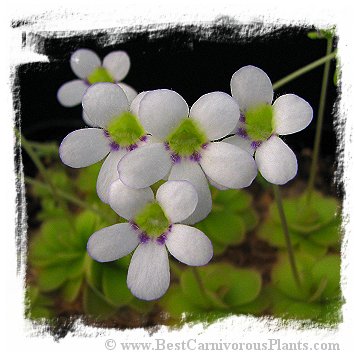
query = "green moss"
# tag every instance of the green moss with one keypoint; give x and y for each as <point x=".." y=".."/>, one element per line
<point x="152" y="220"/>
<point x="187" y="138"/>
<point x="125" y="129"/>
<point x="100" y="74"/>
<point x="259" y="122"/>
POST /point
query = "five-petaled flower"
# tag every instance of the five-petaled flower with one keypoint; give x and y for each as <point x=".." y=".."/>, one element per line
<point x="184" y="146"/>
<point x="87" y="65"/>
<point x="116" y="131"/>
<point x="151" y="231"/>
<point x="261" y="123"/>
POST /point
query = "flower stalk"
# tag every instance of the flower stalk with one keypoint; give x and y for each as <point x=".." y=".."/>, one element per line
<point x="290" y="251"/>
<point x="326" y="59"/>
<point x="320" y="117"/>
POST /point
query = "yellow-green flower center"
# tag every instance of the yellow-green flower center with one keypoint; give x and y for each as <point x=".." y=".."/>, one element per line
<point x="99" y="74"/>
<point x="125" y="129"/>
<point x="259" y="122"/>
<point x="187" y="138"/>
<point x="152" y="220"/>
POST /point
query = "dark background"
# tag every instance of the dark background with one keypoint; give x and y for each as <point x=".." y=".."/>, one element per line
<point x="191" y="60"/>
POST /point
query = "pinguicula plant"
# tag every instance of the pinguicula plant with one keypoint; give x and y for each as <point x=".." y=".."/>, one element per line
<point x="89" y="69"/>
<point x="166" y="167"/>
<point x="318" y="297"/>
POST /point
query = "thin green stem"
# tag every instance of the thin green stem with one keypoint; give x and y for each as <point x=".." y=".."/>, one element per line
<point x="304" y="70"/>
<point x="320" y="116"/>
<point x="291" y="254"/>
<point x="66" y="196"/>
<point x="32" y="154"/>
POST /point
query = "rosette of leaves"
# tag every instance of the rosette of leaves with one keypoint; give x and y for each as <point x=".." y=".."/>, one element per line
<point x="232" y="216"/>
<point x="317" y="298"/>
<point x="213" y="291"/>
<point x="62" y="265"/>
<point x="314" y="227"/>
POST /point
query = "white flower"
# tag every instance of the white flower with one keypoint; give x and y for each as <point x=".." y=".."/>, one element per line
<point x="87" y="65"/>
<point x="151" y="231"/>
<point x="261" y="123"/>
<point x="116" y="131"/>
<point x="184" y="147"/>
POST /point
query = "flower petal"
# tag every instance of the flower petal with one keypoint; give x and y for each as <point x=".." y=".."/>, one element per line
<point x="217" y="113"/>
<point x="83" y="62"/>
<point x="144" y="166"/>
<point x="178" y="199"/>
<point x="291" y="114"/>
<point x="251" y="86"/>
<point x="135" y="104"/>
<point x="104" y="101"/>
<point x="84" y="147"/>
<point x="228" y="165"/>
<point x="108" y="174"/>
<point x="118" y="64"/>
<point x="241" y="142"/>
<point x="126" y="201"/>
<point x="161" y="111"/>
<point x="189" y="245"/>
<point x="71" y="93"/>
<point x="129" y="91"/>
<point x="276" y="161"/>
<point x="148" y="273"/>
<point x="113" y="242"/>
<point x="216" y="185"/>
<point x="192" y="172"/>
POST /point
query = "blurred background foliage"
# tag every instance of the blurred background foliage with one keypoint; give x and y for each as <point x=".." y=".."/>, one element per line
<point x="250" y="272"/>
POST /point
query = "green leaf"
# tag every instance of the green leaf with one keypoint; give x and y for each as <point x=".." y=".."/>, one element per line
<point x="234" y="286"/>
<point x="52" y="277"/>
<point x="86" y="223"/>
<point x="224" y="228"/>
<point x="39" y="312"/>
<point x="96" y="306"/>
<point x="232" y="200"/>
<point x="286" y="307"/>
<point x="176" y="303"/>
<point x="71" y="289"/>
<point x="192" y="291"/>
<point x="308" y="247"/>
<point x="255" y="307"/>
<point x="272" y="233"/>
<point x="328" y="268"/>
<point x="94" y="273"/>
<point x="114" y="286"/>
<point x="328" y="235"/>
<point x="283" y="279"/>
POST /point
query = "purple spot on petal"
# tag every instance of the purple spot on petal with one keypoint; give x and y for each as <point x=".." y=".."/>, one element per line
<point x="196" y="156"/>
<point x="170" y="228"/>
<point x="242" y="118"/>
<point x="175" y="158"/>
<point x="242" y="133"/>
<point x="204" y="146"/>
<point x="143" y="237"/>
<point x="255" y="144"/>
<point x="132" y="147"/>
<point x="134" y="225"/>
<point x="166" y="146"/>
<point x="161" y="239"/>
<point x="106" y="133"/>
<point x="144" y="138"/>
<point x="114" y="146"/>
